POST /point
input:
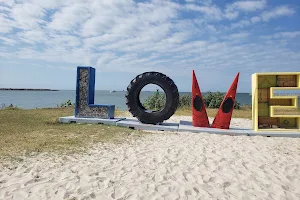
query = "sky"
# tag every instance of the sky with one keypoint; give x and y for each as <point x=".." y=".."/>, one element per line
<point x="43" y="41"/>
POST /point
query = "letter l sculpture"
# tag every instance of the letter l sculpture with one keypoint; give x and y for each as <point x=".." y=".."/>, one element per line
<point x="85" y="94"/>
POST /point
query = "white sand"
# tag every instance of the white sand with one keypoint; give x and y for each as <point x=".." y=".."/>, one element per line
<point x="163" y="166"/>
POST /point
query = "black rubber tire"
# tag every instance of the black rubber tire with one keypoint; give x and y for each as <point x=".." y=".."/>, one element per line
<point x="137" y="109"/>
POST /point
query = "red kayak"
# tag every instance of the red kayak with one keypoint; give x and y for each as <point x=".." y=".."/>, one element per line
<point x="223" y="117"/>
<point x="200" y="118"/>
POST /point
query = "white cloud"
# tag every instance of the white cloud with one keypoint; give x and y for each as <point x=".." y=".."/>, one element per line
<point x="249" y="5"/>
<point x="97" y="26"/>
<point x="233" y="10"/>
<point x="105" y="58"/>
<point x="240" y="24"/>
<point x="287" y="34"/>
<point x="211" y="28"/>
<point x="8" y="41"/>
<point x="229" y="14"/>
<point x="124" y="35"/>
<point x="7" y="2"/>
<point x="277" y="12"/>
<point x="6" y="24"/>
<point x="63" y="40"/>
<point x="211" y="11"/>
<point x="255" y="19"/>
<point x="69" y="17"/>
<point x="266" y="16"/>
<point x="202" y="2"/>
<point x="239" y="35"/>
<point x="282" y="35"/>
<point x="32" y="36"/>
<point x="27" y="15"/>
<point x="52" y="4"/>
<point x="102" y="39"/>
<point x="4" y="9"/>
<point x="189" y="47"/>
<point x="123" y="19"/>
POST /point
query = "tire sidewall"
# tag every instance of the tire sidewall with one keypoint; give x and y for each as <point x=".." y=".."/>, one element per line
<point x="169" y="88"/>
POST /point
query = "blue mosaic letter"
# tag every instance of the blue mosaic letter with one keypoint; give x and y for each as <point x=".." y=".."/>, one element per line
<point x="85" y="94"/>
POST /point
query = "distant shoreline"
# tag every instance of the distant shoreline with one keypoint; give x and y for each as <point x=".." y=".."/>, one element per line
<point x="27" y="89"/>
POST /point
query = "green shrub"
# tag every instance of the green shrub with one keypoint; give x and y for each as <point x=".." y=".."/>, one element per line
<point x="211" y="100"/>
<point x="67" y="104"/>
<point x="185" y="100"/>
<point x="11" y="107"/>
<point x="214" y="100"/>
<point x="155" y="102"/>
<point x="208" y="97"/>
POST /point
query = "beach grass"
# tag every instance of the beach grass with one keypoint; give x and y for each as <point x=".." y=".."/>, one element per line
<point x="38" y="130"/>
<point x="25" y="131"/>
<point x="244" y="112"/>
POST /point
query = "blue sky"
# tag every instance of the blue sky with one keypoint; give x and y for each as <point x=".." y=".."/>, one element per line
<point x="43" y="42"/>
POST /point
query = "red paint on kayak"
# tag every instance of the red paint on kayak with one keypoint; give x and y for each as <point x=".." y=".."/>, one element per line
<point x="223" y="117"/>
<point x="200" y="118"/>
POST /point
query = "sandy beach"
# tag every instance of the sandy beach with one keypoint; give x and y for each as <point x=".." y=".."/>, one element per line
<point x="163" y="165"/>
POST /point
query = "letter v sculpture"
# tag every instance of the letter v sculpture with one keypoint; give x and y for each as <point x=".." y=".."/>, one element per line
<point x="224" y="114"/>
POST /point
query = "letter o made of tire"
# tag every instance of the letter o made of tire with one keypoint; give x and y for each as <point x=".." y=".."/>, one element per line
<point x="136" y="108"/>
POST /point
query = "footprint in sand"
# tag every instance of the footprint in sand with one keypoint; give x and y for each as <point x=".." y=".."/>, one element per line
<point x="188" y="192"/>
<point x="34" y="180"/>
<point x="157" y="178"/>
<point x="188" y="177"/>
<point x="20" y="195"/>
<point x="205" y="178"/>
<point x="113" y="161"/>
<point x="118" y="192"/>
<point x="291" y="178"/>
<point x="84" y="188"/>
<point x="226" y="184"/>
<point x="28" y="170"/>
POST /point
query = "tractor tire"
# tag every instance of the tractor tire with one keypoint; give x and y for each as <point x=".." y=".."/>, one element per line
<point x="136" y="108"/>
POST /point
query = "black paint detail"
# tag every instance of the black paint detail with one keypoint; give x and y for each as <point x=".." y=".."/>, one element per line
<point x="227" y="105"/>
<point x="198" y="103"/>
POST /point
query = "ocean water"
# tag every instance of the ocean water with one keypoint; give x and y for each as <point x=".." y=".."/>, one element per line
<point x="50" y="99"/>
